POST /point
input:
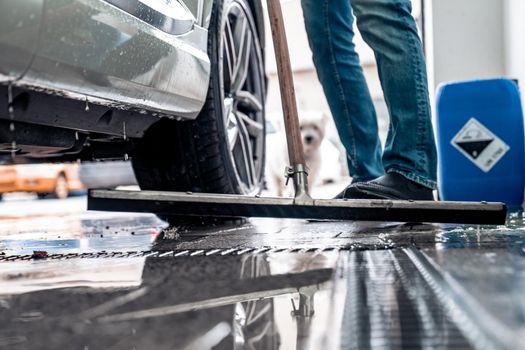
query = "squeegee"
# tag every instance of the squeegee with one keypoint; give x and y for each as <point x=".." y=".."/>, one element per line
<point x="302" y="206"/>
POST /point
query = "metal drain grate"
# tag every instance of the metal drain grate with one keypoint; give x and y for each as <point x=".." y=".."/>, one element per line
<point x="164" y="254"/>
<point x="391" y="305"/>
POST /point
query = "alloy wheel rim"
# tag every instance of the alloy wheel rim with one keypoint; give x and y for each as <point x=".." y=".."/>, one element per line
<point x="242" y="87"/>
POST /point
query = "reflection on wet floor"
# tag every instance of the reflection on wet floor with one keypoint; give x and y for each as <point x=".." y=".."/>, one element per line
<point x="124" y="281"/>
<point x="79" y="234"/>
<point x="219" y="302"/>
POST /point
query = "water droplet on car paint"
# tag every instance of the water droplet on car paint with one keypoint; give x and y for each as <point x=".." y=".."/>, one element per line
<point x="76" y="135"/>
<point x="87" y="105"/>
<point x="126" y="157"/>
<point x="11" y="112"/>
<point x="9" y="94"/>
<point x="124" y="135"/>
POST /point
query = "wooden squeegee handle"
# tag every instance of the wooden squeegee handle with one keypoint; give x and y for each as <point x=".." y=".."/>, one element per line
<point x="284" y="71"/>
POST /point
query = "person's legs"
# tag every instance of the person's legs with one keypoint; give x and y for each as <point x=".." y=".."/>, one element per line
<point x="329" y="24"/>
<point x="390" y="30"/>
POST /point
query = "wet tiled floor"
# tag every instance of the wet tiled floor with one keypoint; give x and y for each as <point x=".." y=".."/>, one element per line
<point x="124" y="281"/>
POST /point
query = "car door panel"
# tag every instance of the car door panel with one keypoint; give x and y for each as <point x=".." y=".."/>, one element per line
<point x="93" y="49"/>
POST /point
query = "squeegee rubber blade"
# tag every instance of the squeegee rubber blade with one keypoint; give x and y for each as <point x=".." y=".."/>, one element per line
<point x="174" y="204"/>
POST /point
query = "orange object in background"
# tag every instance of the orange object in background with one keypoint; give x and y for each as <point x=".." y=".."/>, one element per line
<point x="54" y="180"/>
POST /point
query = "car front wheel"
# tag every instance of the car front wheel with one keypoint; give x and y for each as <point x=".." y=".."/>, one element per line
<point x="223" y="150"/>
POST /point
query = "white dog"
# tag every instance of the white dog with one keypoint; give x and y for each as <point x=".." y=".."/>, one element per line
<point x="313" y="127"/>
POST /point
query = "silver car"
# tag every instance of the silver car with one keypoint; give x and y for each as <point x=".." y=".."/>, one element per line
<point x="178" y="86"/>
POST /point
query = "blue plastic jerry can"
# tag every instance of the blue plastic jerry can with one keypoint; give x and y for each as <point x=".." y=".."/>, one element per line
<point x="480" y="137"/>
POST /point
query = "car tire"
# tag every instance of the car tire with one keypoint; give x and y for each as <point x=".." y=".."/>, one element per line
<point x="223" y="150"/>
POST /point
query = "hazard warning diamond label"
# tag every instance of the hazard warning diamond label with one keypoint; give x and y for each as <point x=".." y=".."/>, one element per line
<point x="480" y="145"/>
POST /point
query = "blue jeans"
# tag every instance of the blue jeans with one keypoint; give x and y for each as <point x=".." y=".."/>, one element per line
<point x="389" y="29"/>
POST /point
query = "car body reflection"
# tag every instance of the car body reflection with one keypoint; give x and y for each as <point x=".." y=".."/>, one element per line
<point x="199" y="302"/>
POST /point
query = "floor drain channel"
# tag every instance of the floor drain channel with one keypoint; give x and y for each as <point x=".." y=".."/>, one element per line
<point x="164" y="254"/>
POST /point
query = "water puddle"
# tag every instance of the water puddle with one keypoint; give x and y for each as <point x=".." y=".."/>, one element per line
<point x="279" y="301"/>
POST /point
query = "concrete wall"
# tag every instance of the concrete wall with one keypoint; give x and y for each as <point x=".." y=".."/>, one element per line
<point x="309" y="92"/>
<point x="470" y="39"/>
<point x="465" y="39"/>
<point x="515" y="40"/>
<point x="301" y="56"/>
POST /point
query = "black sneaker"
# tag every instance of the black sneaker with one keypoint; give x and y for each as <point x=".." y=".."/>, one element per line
<point x="391" y="186"/>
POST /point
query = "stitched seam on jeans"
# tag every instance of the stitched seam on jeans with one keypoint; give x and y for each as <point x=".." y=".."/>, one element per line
<point x="422" y="109"/>
<point x="421" y="104"/>
<point x="353" y="155"/>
